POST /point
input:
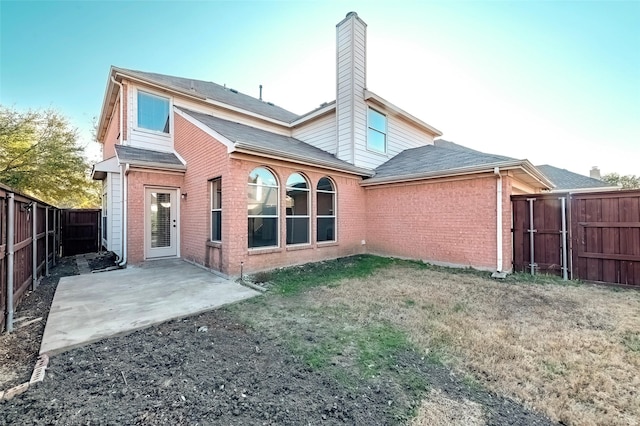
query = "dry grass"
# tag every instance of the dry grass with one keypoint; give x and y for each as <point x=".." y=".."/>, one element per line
<point x="438" y="410"/>
<point x="571" y="352"/>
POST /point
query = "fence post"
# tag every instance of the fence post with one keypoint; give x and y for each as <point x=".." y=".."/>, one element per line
<point x="34" y="243"/>
<point x="10" y="245"/>
<point x="46" y="241"/>
<point x="531" y="231"/>
<point x="565" y="273"/>
<point x="55" y="234"/>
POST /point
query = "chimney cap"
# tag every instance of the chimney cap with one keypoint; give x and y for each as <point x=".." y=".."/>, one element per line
<point x="354" y="14"/>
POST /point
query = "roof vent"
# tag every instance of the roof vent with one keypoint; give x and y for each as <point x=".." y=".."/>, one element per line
<point x="270" y="103"/>
<point x="233" y="90"/>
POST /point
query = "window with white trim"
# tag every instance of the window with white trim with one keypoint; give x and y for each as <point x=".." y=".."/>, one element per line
<point x="326" y="210"/>
<point x="153" y="112"/>
<point x="297" y="209"/>
<point x="216" y="209"/>
<point x="377" y="131"/>
<point x="262" y="208"/>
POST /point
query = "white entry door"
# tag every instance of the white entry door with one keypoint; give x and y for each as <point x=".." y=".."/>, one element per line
<point x="161" y="222"/>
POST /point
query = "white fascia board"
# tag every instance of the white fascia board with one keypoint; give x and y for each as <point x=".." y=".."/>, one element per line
<point x="245" y="148"/>
<point x="462" y="171"/>
<point x="314" y="114"/>
<point x="582" y="190"/>
<point x="208" y="130"/>
<point x="108" y="94"/>
<point x="369" y="95"/>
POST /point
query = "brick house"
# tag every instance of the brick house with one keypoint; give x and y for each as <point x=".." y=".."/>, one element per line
<point x="195" y="170"/>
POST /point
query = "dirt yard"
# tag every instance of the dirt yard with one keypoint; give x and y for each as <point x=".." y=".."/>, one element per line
<point x="401" y="344"/>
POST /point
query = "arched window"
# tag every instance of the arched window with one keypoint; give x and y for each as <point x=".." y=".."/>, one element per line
<point x="262" y="208"/>
<point x="326" y="210"/>
<point x="297" y="209"/>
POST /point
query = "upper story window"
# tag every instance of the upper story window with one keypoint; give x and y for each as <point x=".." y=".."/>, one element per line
<point x="153" y="112"/>
<point x="377" y="131"/>
<point x="297" y="209"/>
<point x="262" y="208"/>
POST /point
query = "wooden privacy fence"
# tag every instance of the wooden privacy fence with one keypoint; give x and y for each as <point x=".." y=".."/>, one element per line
<point x="600" y="240"/>
<point x="80" y="231"/>
<point x="29" y="244"/>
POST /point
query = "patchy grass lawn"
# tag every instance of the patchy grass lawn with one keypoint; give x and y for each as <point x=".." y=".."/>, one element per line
<point x="570" y="351"/>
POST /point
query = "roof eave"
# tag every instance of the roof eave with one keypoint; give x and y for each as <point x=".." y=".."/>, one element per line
<point x="247" y="148"/>
<point x="369" y="95"/>
<point x="524" y="165"/>
<point x="192" y="95"/>
<point x="314" y="114"/>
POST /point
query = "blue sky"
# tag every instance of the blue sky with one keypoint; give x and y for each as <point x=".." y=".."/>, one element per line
<point x="555" y="82"/>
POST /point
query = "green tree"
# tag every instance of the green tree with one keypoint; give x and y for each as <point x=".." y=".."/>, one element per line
<point x="40" y="156"/>
<point x="625" y="181"/>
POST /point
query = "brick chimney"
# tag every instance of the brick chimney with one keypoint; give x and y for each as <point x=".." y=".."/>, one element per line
<point x="351" y="81"/>
<point x="595" y="173"/>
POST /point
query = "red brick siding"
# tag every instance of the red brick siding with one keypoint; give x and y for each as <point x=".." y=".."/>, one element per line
<point x="136" y="183"/>
<point x="111" y="137"/>
<point x="451" y="222"/>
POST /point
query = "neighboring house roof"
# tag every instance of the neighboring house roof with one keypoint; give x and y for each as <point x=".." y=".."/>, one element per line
<point x="148" y="158"/>
<point x="565" y="180"/>
<point x="263" y="142"/>
<point x="445" y="158"/>
<point x="216" y="92"/>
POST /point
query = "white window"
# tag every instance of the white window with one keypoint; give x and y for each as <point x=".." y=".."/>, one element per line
<point x="377" y="131"/>
<point x="153" y="112"/>
<point x="216" y="209"/>
<point x="262" y="208"/>
<point x="326" y="210"/>
<point x="297" y="209"/>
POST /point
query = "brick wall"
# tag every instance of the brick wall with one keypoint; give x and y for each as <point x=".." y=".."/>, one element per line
<point x="137" y="181"/>
<point x="207" y="158"/>
<point x="448" y="222"/>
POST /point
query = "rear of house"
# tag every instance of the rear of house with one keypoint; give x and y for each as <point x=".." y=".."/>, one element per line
<point x="196" y="170"/>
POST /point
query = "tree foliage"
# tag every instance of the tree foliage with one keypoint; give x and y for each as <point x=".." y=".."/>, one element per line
<point x="625" y="181"/>
<point x="40" y="156"/>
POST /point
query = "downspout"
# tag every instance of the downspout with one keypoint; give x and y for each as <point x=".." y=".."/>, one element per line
<point x="10" y="245"/>
<point x="124" y="172"/>
<point x="120" y="139"/>
<point x="496" y="171"/>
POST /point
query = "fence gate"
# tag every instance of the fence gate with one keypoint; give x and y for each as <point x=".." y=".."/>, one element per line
<point x="603" y="238"/>
<point x="540" y="233"/>
<point x="606" y="237"/>
<point x="80" y="231"/>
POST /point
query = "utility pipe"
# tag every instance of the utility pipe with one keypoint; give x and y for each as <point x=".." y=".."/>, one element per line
<point x="10" y="245"/>
<point x="496" y="171"/>
<point x="123" y="181"/>
<point x="120" y="138"/>
<point x="46" y="241"/>
<point x="34" y="244"/>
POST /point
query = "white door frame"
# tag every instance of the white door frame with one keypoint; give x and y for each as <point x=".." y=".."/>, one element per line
<point x="174" y="249"/>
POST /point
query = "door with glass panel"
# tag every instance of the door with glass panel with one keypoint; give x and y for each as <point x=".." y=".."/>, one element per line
<point x="161" y="222"/>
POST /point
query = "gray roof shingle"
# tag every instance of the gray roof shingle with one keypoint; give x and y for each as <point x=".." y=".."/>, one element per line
<point x="129" y="154"/>
<point x="216" y="92"/>
<point x="564" y="179"/>
<point x="440" y="157"/>
<point x="261" y="139"/>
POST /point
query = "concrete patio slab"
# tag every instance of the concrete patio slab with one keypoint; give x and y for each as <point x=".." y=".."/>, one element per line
<point x="87" y="308"/>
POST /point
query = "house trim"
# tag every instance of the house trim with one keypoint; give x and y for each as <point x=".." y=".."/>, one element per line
<point x="375" y="99"/>
<point x="208" y="130"/>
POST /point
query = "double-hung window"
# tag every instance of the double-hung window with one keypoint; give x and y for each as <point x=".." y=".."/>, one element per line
<point x="216" y="209"/>
<point x="262" y="208"/>
<point x="377" y="131"/>
<point x="153" y="112"/>
<point x="297" y="209"/>
<point x="326" y="210"/>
